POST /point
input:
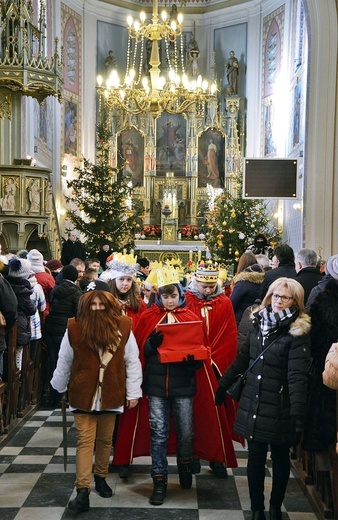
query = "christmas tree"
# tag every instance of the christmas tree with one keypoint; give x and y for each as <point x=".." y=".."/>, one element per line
<point x="104" y="197"/>
<point x="233" y="223"/>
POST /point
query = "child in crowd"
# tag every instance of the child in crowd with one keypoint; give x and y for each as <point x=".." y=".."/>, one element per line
<point x="120" y="276"/>
<point x="187" y="388"/>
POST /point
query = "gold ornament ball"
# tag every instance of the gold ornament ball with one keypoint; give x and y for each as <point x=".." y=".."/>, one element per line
<point x="109" y="188"/>
<point x="123" y="200"/>
<point x="93" y="220"/>
<point x="246" y="214"/>
<point x="81" y="207"/>
<point x="96" y="183"/>
<point x="252" y="225"/>
<point x="73" y="192"/>
<point x="110" y="212"/>
<point x="224" y="223"/>
<point x="257" y="213"/>
<point x="101" y="232"/>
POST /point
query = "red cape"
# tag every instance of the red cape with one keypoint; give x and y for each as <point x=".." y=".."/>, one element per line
<point x="220" y="329"/>
<point x="212" y="435"/>
<point x="135" y="316"/>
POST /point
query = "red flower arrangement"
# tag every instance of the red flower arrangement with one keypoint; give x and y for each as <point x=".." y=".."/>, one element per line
<point x="151" y="231"/>
<point x="188" y="231"/>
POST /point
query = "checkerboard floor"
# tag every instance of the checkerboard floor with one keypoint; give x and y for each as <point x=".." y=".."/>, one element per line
<point x="34" y="486"/>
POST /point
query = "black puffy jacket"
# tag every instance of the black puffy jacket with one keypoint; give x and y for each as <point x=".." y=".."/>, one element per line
<point x="276" y="387"/>
<point x="64" y="299"/>
<point x="168" y="379"/>
<point x="26" y="308"/>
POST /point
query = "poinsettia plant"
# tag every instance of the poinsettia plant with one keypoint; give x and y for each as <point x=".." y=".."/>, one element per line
<point x="151" y="231"/>
<point x="189" y="231"/>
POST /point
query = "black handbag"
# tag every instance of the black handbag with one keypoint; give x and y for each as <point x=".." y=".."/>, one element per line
<point x="236" y="388"/>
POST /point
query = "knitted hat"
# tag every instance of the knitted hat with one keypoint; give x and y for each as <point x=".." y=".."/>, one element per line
<point x="207" y="273"/>
<point x="19" y="268"/>
<point x="69" y="272"/>
<point x="53" y="265"/>
<point x="97" y="285"/>
<point x="117" y="269"/>
<point x="331" y="266"/>
<point x="36" y="260"/>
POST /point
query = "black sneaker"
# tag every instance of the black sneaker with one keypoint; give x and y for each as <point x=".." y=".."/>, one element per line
<point x="195" y="466"/>
<point x="185" y="476"/>
<point x="124" y="471"/>
<point x="218" y="469"/>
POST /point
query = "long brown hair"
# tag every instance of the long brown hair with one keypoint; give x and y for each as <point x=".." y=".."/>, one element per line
<point x="99" y="329"/>
<point x="132" y="296"/>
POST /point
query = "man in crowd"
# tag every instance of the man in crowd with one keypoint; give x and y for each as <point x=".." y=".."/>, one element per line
<point x="308" y="274"/>
<point x="284" y="258"/>
<point x="72" y="248"/>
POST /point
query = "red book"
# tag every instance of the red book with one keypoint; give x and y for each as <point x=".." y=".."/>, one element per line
<point x="181" y="339"/>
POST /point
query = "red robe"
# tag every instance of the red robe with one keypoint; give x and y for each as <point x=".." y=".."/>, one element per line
<point x="210" y="422"/>
<point x="220" y="329"/>
<point x="135" y="316"/>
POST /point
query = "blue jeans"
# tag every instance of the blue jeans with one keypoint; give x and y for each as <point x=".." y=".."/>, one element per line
<point x="159" y="415"/>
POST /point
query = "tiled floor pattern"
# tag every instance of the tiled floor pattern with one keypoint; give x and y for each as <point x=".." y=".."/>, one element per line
<point x="34" y="486"/>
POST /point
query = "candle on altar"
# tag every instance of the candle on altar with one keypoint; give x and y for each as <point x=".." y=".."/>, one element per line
<point x="190" y="254"/>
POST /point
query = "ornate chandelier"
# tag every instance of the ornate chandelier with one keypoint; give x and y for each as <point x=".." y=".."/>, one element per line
<point x="174" y="93"/>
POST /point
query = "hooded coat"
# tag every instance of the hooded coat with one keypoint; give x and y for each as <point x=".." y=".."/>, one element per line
<point x="276" y="387"/>
<point x="26" y="308"/>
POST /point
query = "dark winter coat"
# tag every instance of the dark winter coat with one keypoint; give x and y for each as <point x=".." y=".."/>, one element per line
<point x="245" y="323"/>
<point x="318" y="289"/>
<point x="287" y="270"/>
<point x="64" y="299"/>
<point x="276" y="388"/>
<point x="9" y="309"/>
<point x="168" y="379"/>
<point x="308" y="277"/>
<point x="320" y="426"/>
<point x="26" y="308"/>
<point x="246" y="289"/>
<point x="72" y="250"/>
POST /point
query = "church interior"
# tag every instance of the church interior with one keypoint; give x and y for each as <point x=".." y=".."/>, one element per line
<point x="244" y="82"/>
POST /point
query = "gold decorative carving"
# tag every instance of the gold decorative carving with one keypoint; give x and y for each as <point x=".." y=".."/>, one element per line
<point x="5" y="105"/>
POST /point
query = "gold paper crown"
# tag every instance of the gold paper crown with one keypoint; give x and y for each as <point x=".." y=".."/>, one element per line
<point x="123" y="258"/>
<point x="156" y="265"/>
<point x="207" y="272"/>
<point x="161" y="277"/>
<point x="223" y="274"/>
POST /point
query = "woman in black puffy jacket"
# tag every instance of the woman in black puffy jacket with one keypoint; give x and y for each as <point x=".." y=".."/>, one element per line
<point x="273" y="402"/>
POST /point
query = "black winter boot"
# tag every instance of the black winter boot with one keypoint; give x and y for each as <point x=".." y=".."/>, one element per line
<point x="159" y="491"/>
<point x="102" y="487"/>
<point x="258" y="515"/>
<point x="81" y="502"/>
<point x="184" y="473"/>
<point x="275" y="513"/>
<point x="124" y="471"/>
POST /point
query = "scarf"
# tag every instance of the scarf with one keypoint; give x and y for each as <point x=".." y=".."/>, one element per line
<point x="271" y="321"/>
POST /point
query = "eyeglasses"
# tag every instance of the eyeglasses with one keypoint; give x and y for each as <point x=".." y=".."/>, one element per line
<point x="285" y="299"/>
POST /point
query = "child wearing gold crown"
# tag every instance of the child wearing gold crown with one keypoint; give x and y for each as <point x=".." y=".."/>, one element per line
<point x="185" y="389"/>
<point x="207" y="300"/>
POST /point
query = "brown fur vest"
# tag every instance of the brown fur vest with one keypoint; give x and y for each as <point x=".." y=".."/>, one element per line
<point x="85" y="371"/>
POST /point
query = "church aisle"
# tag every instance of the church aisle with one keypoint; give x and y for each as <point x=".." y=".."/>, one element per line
<point x="34" y="486"/>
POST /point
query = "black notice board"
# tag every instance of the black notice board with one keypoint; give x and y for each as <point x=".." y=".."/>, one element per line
<point x="270" y="179"/>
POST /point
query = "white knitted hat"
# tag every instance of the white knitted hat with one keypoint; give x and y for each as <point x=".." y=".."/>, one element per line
<point x="19" y="268"/>
<point x="36" y="259"/>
